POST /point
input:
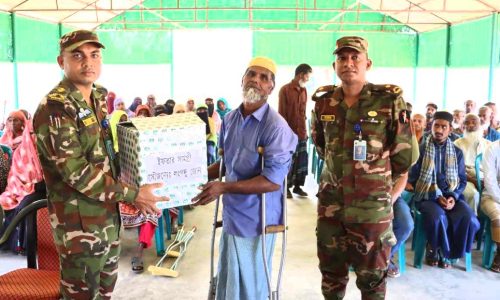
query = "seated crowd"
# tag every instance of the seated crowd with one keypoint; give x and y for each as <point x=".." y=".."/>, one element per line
<point x="443" y="180"/>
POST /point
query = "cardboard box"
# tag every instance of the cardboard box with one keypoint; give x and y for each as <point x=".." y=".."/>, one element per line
<point x="169" y="149"/>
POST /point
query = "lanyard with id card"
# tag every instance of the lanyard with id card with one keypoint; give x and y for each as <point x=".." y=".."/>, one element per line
<point x="359" y="147"/>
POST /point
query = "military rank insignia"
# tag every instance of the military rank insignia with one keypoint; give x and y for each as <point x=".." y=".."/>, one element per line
<point x="404" y="117"/>
<point x="328" y="118"/>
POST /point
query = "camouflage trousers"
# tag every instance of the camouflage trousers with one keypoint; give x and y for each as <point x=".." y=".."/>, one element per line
<point x="90" y="275"/>
<point x="365" y="247"/>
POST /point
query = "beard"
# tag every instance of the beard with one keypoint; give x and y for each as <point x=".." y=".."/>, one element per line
<point x="302" y="83"/>
<point x="251" y="96"/>
<point x="473" y="136"/>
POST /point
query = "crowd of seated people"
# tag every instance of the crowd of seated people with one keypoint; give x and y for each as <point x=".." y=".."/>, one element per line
<point x="444" y="184"/>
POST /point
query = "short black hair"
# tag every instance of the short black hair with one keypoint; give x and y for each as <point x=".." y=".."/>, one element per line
<point x="432" y="105"/>
<point x="443" y="115"/>
<point x="303" y="69"/>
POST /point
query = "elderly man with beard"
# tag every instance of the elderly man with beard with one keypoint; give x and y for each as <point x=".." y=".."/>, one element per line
<point x="254" y="123"/>
<point x="471" y="145"/>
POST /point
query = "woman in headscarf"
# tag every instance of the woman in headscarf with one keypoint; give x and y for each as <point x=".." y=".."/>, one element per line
<point x="24" y="183"/>
<point x="110" y="102"/>
<point x="12" y="135"/>
<point x="179" y="108"/>
<point x="142" y="111"/>
<point x="222" y="107"/>
<point x="213" y="114"/>
<point x="133" y="107"/>
<point x="116" y="117"/>
<point x="169" y="106"/>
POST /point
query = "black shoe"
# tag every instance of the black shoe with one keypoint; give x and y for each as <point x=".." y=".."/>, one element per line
<point x="289" y="194"/>
<point x="297" y="190"/>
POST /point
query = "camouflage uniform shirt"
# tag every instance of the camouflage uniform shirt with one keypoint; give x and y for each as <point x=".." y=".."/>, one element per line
<point x="360" y="189"/>
<point x="82" y="191"/>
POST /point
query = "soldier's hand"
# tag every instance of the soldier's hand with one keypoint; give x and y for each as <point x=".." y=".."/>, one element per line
<point x="209" y="192"/>
<point x="146" y="200"/>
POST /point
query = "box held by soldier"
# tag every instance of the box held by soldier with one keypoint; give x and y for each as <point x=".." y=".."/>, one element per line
<point x="169" y="149"/>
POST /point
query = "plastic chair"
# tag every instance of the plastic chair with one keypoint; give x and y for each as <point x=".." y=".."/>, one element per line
<point x="6" y="149"/>
<point x="41" y="279"/>
<point x="420" y="238"/>
<point x="159" y="232"/>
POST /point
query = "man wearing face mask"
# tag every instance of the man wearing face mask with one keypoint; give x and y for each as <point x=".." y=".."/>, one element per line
<point x="254" y="123"/>
<point x="292" y="106"/>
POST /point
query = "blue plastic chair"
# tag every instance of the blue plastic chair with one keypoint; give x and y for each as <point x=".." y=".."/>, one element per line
<point x="159" y="232"/>
<point x="420" y="238"/>
<point x="402" y="258"/>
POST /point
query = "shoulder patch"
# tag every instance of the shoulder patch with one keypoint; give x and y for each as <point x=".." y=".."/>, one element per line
<point x="387" y="88"/>
<point x="58" y="94"/>
<point x="322" y="91"/>
<point x="101" y="90"/>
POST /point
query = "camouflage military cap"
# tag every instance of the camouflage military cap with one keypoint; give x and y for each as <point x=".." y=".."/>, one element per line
<point x="354" y="42"/>
<point x="72" y="40"/>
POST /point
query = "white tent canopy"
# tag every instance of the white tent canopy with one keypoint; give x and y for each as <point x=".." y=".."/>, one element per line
<point x="421" y="15"/>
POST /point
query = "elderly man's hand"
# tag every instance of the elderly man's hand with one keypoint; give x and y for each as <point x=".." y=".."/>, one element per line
<point x="443" y="202"/>
<point x="146" y="200"/>
<point x="450" y="203"/>
<point x="209" y="192"/>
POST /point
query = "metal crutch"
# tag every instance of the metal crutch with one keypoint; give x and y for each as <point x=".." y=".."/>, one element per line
<point x="273" y="295"/>
<point x="177" y="249"/>
<point x="213" y="277"/>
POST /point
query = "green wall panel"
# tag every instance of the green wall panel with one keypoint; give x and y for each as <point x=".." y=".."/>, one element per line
<point x="36" y="41"/>
<point x="290" y="48"/>
<point x="5" y="38"/>
<point x="137" y="47"/>
<point x="293" y="48"/>
<point x="432" y="51"/>
<point x="471" y="44"/>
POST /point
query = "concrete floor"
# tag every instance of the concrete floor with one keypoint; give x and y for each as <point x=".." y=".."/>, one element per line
<point x="301" y="278"/>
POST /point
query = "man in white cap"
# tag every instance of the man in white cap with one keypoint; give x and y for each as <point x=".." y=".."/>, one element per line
<point x="241" y="270"/>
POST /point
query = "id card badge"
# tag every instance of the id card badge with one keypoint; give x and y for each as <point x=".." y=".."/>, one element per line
<point x="359" y="150"/>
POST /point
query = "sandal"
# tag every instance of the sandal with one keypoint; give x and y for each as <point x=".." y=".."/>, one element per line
<point x="393" y="270"/>
<point x="444" y="263"/>
<point x="137" y="265"/>
<point x="495" y="266"/>
<point x="431" y="258"/>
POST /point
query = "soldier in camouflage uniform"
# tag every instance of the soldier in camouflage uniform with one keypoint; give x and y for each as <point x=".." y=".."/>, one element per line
<point x="76" y="153"/>
<point x="363" y="133"/>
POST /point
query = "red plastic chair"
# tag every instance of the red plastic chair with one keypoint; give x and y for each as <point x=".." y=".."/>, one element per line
<point x="41" y="279"/>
